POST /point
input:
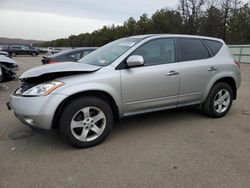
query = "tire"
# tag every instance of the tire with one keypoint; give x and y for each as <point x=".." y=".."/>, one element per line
<point x="12" y="54"/>
<point x="82" y="129"/>
<point x="2" y="74"/>
<point x="33" y="54"/>
<point x="219" y="100"/>
<point x="6" y="75"/>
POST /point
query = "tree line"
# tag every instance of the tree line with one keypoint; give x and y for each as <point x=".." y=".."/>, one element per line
<point x="226" y="19"/>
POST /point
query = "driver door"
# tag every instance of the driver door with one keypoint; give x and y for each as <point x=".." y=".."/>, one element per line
<point x="154" y="85"/>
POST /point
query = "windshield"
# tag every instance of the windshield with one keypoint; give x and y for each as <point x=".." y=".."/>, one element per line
<point x="110" y="52"/>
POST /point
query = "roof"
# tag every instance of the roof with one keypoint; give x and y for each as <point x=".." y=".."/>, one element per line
<point x="173" y="35"/>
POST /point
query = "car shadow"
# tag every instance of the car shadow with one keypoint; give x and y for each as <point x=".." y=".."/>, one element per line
<point x="165" y="118"/>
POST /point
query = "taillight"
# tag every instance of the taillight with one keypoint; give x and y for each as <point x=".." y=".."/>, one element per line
<point x="51" y="62"/>
<point x="237" y="63"/>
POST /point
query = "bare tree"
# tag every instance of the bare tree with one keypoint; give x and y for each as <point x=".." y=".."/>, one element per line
<point x="211" y="3"/>
<point x="190" y="11"/>
<point x="228" y="7"/>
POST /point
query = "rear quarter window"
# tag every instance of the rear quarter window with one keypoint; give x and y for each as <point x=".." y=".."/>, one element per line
<point x="192" y="49"/>
<point x="213" y="45"/>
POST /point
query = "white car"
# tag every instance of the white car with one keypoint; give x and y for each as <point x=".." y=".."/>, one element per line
<point x="8" y="68"/>
<point x="4" y="53"/>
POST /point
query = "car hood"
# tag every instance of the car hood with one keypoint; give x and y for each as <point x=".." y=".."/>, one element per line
<point x="52" y="71"/>
<point x="5" y="59"/>
<point x="4" y="53"/>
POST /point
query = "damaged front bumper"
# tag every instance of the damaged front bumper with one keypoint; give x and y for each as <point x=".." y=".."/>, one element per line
<point x="36" y="112"/>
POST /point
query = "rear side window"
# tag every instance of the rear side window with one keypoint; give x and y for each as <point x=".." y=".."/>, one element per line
<point x="87" y="52"/>
<point x="192" y="49"/>
<point x="76" y="55"/>
<point x="213" y="45"/>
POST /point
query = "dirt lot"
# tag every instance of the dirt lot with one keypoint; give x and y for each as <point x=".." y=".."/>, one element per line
<point x="173" y="148"/>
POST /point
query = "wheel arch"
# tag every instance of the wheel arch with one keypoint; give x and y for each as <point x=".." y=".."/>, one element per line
<point x="96" y="93"/>
<point x="230" y="81"/>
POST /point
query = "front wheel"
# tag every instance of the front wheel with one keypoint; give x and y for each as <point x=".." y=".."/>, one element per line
<point x="33" y="54"/>
<point x="86" y="121"/>
<point x="219" y="100"/>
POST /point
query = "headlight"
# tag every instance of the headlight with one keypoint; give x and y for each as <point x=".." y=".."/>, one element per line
<point x="43" y="89"/>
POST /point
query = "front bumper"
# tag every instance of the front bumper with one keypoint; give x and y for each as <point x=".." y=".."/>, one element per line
<point x="36" y="112"/>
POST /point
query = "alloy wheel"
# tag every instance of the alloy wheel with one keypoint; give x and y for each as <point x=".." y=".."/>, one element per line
<point x="222" y="101"/>
<point x="88" y="124"/>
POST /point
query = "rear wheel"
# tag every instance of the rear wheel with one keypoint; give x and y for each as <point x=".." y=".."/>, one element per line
<point x="13" y="54"/>
<point x="33" y="54"/>
<point x="1" y="74"/>
<point x="86" y="121"/>
<point x="219" y="100"/>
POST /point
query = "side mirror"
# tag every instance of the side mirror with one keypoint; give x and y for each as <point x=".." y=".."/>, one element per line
<point x="135" y="60"/>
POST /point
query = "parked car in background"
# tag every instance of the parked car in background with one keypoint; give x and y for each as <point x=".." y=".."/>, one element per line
<point x="4" y="47"/>
<point x="56" y="50"/>
<point x="129" y="76"/>
<point x="8" y="67"/>
<point x="49" y="49"/>
<point x="15" y="50"/>
<point x="68" y="55"/>
<point x="41" y="50"/>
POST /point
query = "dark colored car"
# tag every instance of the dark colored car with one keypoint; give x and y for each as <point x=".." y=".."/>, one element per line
<point x="41" y="50"/>
<point x="8" y="68"/>
<point x="68" y="55"/>
<point x="15" y="50"/>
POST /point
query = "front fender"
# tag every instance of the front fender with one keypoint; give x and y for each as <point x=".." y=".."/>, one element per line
<point x="112" y="90"/>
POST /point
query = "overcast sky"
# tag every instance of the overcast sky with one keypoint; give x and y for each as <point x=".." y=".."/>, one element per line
<point x="52" y="19"/>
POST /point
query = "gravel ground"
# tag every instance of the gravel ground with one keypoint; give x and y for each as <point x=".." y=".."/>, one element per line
<point x="173" y="148"/>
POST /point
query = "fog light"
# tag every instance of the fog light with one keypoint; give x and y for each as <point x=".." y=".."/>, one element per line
<point x="29" y="121"/>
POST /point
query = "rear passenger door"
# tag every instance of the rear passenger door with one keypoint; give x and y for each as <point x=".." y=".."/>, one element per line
<point x="195" y="64"/>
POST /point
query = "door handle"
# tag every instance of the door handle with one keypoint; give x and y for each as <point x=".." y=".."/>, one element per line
<point x="212" y="69"/>
<point x="172" y="73"/>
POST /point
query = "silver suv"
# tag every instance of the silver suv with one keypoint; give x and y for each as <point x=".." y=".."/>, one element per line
<point x="129" y="76"/>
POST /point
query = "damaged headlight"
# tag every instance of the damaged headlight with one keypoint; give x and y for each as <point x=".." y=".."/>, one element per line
<point x="43" y="89"/>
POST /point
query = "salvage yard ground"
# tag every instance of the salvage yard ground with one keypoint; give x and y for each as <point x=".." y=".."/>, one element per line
<point x="172" y="148"/>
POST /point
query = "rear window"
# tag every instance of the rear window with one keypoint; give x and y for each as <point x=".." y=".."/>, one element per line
<point x="214" y="46"/>
<point x="192" y="49"/>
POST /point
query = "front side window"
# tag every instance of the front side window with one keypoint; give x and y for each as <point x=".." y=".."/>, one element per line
<point x="110" y="52"/>
<point x="192" y="49"/>
<point x="160" y="51"/>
